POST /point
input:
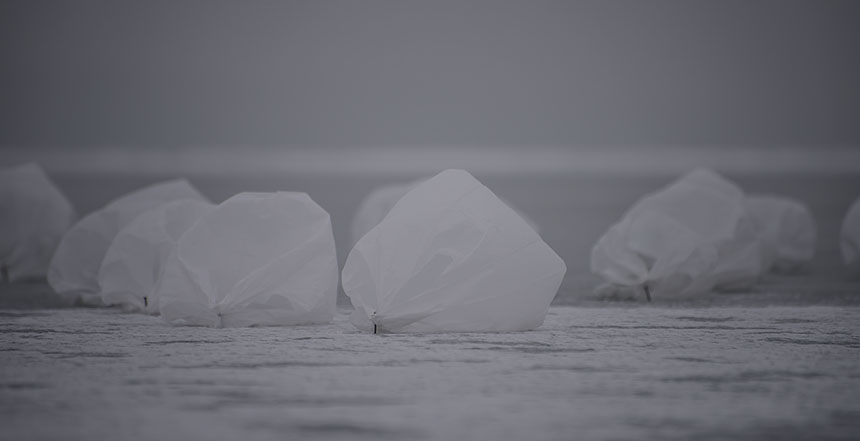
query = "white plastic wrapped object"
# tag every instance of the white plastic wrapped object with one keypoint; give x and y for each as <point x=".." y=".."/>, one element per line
<point x="787" y="230"/>
<point x="850" y="239"/>
<point x="34" y="214"/>
<point x="451" y="257"/>
<point x="74" y="268"/>
<point x="379" y="202"/>
<point x="258" y="259"/>
<point x="375" y="206"/>
<point x="133" y="263"/>
<point x="690" y="237"/>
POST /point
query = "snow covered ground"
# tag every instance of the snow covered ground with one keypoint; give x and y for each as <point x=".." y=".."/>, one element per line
<point x="620" y="371"/>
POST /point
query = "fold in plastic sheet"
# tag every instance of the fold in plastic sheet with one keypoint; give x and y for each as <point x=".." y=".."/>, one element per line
<point x="133" y="263"/>
<point x="849" y="242"/>
<point x="258" y="259"/>
<point x="73" y="272"/>
<point x="451" y="257"/>
<point x="688" y="238"/>
<point x="379" y="202"/>
<point x="34" y="215"/>
<point x="787" y="230"/>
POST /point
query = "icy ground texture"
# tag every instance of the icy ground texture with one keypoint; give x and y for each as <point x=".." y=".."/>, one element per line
<point x="622" y="371"/>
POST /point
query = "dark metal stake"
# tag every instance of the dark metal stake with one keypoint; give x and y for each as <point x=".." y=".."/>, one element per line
<point x="648" y="293"/>
<point x="145" y="302"/>
<point x="374" y="328"/>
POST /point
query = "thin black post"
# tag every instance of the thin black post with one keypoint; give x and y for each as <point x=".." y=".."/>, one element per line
<point x="648" y="293"/>
<point x="374" y="328"/>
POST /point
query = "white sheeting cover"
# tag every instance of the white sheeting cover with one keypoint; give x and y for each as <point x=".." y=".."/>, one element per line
<point x="34" y="215"/>
<point x="850" y="238"/>
<point x="690" y="237"/>
<point x="74" y="268"/>
<point x="451" y="257"/>
<point x="379" y="202"/>
<point x="787" y="230"/>
<point x="133" y="263"/>
<point x="258" y="259"/>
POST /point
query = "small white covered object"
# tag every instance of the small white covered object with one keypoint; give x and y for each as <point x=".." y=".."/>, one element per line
<point x="258" y="259"/>
<point x="451" y="257"/>
<point x="849" y="241"/>
<point x="34" y="214"/>
<point x="690" y="237"/>
<point x="787" y="231"/>
<point x="74" y="268"/>
<point x="379" y="202"/>
<point x="133" y="263"/>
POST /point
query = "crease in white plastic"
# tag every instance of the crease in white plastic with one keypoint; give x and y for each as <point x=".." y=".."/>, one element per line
<point x="74" y="268"/>
<point x="688" y="238"/>
<point x="257" y="259"/>
<point x="134" y="262"/>
<point x="849" y="239"/>
<point x="450" y="256"/>
<point x="787" y="230"/>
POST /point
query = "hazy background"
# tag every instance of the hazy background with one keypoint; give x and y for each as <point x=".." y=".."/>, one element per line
<point x="304" y="76"/>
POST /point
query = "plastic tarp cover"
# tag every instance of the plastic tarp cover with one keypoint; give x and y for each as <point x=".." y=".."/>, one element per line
<point x="74" y="268"/>
<point x="34" y="215"/>
<point x="450" y="256"/>
<point x="849" y="242"/>
<point x="257" y="259"/>
<point x="134" y="261"/>
<point x="379" y="202"/>
<point x="688" y="238"/>
<point x="787" y="230"/>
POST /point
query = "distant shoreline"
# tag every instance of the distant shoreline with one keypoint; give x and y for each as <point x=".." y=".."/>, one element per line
<point x="508" y="160"/>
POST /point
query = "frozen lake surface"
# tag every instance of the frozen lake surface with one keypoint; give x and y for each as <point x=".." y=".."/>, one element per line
<point x="619" y="371"/>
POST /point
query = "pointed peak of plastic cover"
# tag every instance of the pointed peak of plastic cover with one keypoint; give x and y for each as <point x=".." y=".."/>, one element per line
<point x="381" y="200"/>
<point x="787" y="229"/>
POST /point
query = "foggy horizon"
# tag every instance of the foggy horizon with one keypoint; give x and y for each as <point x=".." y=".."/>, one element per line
<point x="319" y="75"/>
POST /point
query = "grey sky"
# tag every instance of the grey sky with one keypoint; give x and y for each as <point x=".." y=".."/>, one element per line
<point x="339" y="73"/>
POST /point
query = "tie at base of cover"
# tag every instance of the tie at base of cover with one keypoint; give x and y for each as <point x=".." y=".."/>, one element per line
<point x="257" y="259"/>
<point x="74" y="269"/>
<point x="691" y="237"/>
<point x="451" y="257"/>
<point x="133" y="263"/>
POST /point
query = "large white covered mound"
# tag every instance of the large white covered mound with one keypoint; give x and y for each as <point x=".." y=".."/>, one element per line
<point x="379" y="202"/>
<point x="787" y="231"/>
<point x="258" y="259"/>
<point x="849" y="241"/>
<point x="451" y="257"/>
<point x="34" y="214"/>
<point x="133" y="263"/>
<point x="690" y="237"/>
<point x="74" y="268"/>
